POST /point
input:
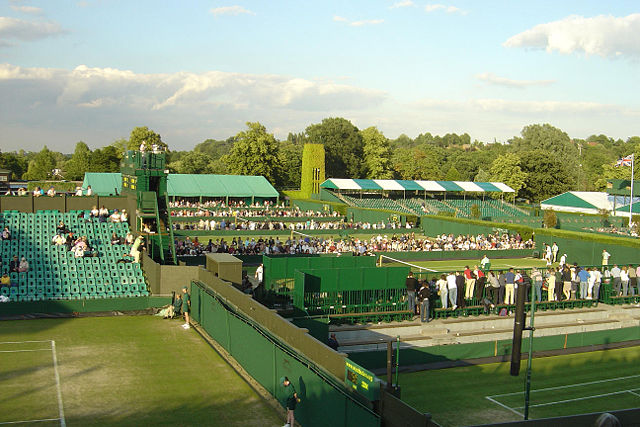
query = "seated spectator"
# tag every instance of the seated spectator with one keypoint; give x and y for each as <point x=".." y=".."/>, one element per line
<point x="115" y="216"/>
<point x="8" y="193"/>
<point x="115" y="240"/>
<point x="22" y="191"/>
<point x="14" y="265"/>
<point x="51" y="192"/>
<point x="89" y="191"/>
<point x="104" y="211"/>
<point x="90" y="251"/>
<point x="61" y="228"/>
<point x="95" y="212"/>
<point x="78" y="251"/>
<point x="124" y="217"/>
<point x="36" y="192"/>
<point x="24" y="265"/>
<point x="58" y="240"/>
<point x="6" y="234"/>
<point x="126" y="259"/>
<point x="5" y="280"/>
<point x="129" y="239"/>
<point x="78" y="191"/>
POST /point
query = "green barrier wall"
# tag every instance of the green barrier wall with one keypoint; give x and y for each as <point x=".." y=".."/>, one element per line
<point x="279" y="270"/>
<point x="433" y="225"/>
<point x="373" y="215"/>
<point x="267" y="359"/>
<point x="418" y="356"/>
<point x="11" y="309"/>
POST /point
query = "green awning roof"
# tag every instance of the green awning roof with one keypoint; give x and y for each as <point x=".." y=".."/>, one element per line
<point x="450" y="186"/>
<point x="191" y="185"/>
<point x="103" y="183"/>
<point x="635" y="208"/>
<point x="569" y="200"/>
<point x="487" y="186"/>
<point x="409" y="185"/>
<point x="367" y="184"/>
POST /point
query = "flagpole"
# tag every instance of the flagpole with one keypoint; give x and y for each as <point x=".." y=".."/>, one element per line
<point x="633" y="160"/>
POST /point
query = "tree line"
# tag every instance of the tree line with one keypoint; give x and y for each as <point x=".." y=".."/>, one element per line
<point x="539" y="163"/>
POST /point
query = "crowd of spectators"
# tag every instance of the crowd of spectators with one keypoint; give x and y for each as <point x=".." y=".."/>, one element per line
<point x="309" y="224"/>
<point x="358" y="246"/>
<point x="51" y="192"/>
<point x="294" y="212"/>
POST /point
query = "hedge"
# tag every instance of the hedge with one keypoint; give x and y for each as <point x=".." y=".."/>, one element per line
<point x="60" y="186"/>
<point x="525" y="231"/>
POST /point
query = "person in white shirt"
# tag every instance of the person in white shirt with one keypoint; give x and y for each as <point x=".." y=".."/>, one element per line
<point x="624" y="279"/>
<point x="554" y="251"/>
<point x="78" y="191"/>
<point x="452" y="290"/>
<point x="591" y="282"/>
<point x="89" y="191"/>
<point x="51" y="192"/>
<point x="115" y="216"/>
<point x="441" y="285"/>
<point x="605" y="257"/>
<point x="124" y="217"/>
<point x="259" y="273"/>
<point x="563" y="260"/>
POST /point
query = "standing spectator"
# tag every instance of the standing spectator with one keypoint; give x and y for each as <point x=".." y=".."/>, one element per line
<point x="554" y="251"/>
<point x="333" y="342"/>
<point x="186" y="307"/>
<point x="536" y="276"/>
<point x="605" y="257"/>
<point x="502" y="282"/>
<point x="259" y="276"/>
<point x="615" y="275"/>
<point x="591" y="282"/>
<point x="596" y="285"/>
<point x="510" y="278"/>
<point x="469" y="282"/>
<point x="637" y="280"/>
<point x="624" y="280"/>
<point x="566" y="282"/>
<point x="632" y="280"/>
<point x="412" y="284"/>
<point x="493" y="288"/>
<point x="441" y="285"/>
<point x="291" y="401"/>
<point x="460" y="288"/>
<point x="6" y="234"/>
<point x="136" y="249"/>
<point x="423" y="296"/>
<point x="584" y="276"/>
<point x="563" y="261"/>
<point x="551" y="284"/>
<point x="452" y="290"/>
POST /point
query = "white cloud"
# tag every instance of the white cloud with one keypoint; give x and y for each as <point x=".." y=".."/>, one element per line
<point x="31" y="10"/>
<point x="444" y="8"/>
<point x="231" y="10"/>
<point x="18" y="29"/>
<point x="361" y="23"/>
<point x="606" y="36"/>
<point x="504" y="81"/>
<point x="404" y="3"/>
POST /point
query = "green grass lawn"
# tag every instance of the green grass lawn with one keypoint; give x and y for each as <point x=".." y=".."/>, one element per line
<point x="125" y="371"/>
<point x="561" y="385"/>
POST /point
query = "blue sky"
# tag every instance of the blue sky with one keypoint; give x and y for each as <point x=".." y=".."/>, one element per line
<point x="92" y="70"/>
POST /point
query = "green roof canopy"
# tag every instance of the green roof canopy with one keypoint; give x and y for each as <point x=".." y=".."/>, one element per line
<point x="102" y="183"/>
<point x="191" y="185"/>
<point x="569" y="200"/>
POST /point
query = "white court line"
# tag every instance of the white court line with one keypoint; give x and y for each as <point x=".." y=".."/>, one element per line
<point x="30" y="421"/>
<point x="504" y="406"/>
<point x="21" y="342"/>
<point x="595" y="396"/>
<point x="63" y="423"/>
<point x="568" y="386"/>
<point x="20" y="351"/>
<point x="633" y="392"/>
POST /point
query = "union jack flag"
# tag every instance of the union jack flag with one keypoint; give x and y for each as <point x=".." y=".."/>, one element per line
<point x="625" y="161"/>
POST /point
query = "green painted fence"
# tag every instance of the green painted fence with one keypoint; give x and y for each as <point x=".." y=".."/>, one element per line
<point x="267" y="358"/>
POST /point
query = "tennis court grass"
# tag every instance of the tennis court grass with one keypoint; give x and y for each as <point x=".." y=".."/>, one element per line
<point x="125" y="371"/>
<point x="561" y="385"/>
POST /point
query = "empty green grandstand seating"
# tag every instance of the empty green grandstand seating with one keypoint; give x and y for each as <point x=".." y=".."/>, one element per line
<point x="54" y="272"/>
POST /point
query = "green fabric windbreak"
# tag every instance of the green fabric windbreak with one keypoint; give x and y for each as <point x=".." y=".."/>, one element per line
<point x="487" y="186"/>
<point x="635" y="209"/>
<point x="450" y="186"/>
<point x="570" y="200"/>
<point x="195" y="185"/>
<point x="354" y="279"/>
<point x="102" y="183"/>
<point x="367" y="184"/>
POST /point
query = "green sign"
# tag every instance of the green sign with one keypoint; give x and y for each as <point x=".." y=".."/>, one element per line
<point x="361" y="380"/>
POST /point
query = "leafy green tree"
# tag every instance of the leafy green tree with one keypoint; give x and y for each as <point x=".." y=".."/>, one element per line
<point x="105" y="159"/>
<point x="453" y="174"/>
<point x="15" y="162"/>
<point x="193" y="162"/>
<point x="482" y="176"/>
<point x="507" y="169"/>
<point x="377" y="154"/>
<point x="343" y="147"/>
<point x="215" y="148"/>
<point x="255" y="152"/>
<point x="121" y="146"/>
<point x="416" y="163"/>
<point x="549" y="218"/>
<point x="547" y="175"/>
<point x="475" y="211"/>
<point x="143" y="135"/>
<point x="548" y="138"/>
<point x="402" y="141"/>
<point x="79" y="163"/>
<point x="42" y="166"/>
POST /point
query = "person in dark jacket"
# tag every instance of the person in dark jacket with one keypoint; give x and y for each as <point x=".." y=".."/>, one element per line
<point x="423" y="297"/>
<point x="460" y="284"/>
<point x="412" y="286"/>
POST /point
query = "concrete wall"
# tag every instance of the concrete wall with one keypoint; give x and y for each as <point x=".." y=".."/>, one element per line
<point x="164" y="279"/>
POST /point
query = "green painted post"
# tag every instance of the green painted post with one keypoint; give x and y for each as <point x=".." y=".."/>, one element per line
<point x="397" y="357"/>
<point x="528" y="379"/>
